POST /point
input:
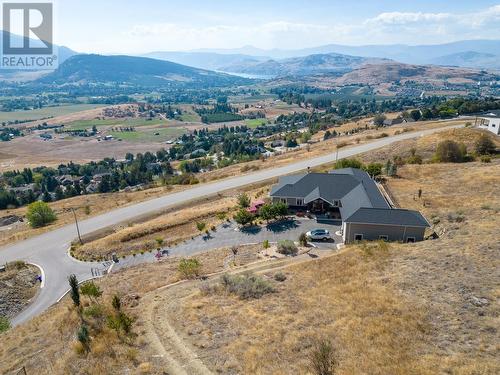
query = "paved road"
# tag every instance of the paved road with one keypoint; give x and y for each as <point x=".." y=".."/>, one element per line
<point x="49" y="250"/>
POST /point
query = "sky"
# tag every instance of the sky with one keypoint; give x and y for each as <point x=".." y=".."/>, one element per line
<point x="127" y="26"/>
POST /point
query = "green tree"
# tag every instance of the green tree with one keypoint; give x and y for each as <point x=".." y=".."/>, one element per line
<point x="280" y="209"/>
<point x="267" y="212"/>
<point x="243" y="217"/>
<point x="40" y="214"/>
<point x="374" y="169"/>
<point x="91" y="290"/>
<point x="484" y="145"/>
<point x="84" y="337"/>
<point x="415" y="114"/>
<point x="449" y="151"/>
<point x="244" y="200"/>
<point x="379" y="119"/>
<point x="75" y="290"/>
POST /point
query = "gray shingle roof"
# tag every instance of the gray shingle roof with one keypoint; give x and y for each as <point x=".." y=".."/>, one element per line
<point x="388" y="216"/>
<point x="339" y="184"/>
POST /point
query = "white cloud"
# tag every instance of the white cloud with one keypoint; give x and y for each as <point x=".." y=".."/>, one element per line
<point x="403" y="18"/>
<point x="384" y="28"/>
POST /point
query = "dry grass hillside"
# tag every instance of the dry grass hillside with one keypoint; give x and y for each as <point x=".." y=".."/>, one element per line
<point x="424" y="308"/>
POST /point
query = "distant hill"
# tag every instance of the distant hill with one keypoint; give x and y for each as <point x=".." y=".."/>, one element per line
<point x="138" y="71"/>
<point x="390" y="72"/>
<point x="300" y="66"/>
<point x="419" y="54"/>
<point x="470" y="59"/>
<point x="205" y="60"/>
<point x="63" y="54"/>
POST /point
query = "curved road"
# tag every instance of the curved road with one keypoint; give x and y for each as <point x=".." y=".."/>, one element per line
<point x="49" y="250"/>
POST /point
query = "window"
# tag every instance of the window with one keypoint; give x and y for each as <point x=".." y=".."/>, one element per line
<point x="283" y="200"/>
<point x="383" y="237"/>
<point x="358" y="237"/>
<point x="300" y="202"/>
<point x="410" y="239"/>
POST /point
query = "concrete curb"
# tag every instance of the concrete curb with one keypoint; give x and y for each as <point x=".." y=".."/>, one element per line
<point x="42" y="273"/>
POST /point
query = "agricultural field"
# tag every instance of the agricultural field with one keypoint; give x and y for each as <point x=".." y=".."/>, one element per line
<point x="149" y="135"/>
<point x="256" y="122"/>
<point x="47" y="112"/>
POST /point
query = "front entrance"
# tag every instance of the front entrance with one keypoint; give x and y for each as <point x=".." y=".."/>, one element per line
<point x="324" y="211"/>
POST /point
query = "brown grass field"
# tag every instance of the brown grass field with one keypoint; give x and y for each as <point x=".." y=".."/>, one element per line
<point x="388" y="309"/>
<point x="425" y="308"/>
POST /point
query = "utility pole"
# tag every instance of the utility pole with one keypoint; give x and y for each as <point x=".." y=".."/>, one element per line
<point x="77" y="228"/>
<point x="337" y="150"/>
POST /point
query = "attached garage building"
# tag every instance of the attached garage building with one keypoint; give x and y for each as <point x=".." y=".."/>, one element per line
<point x="384" y="224"/>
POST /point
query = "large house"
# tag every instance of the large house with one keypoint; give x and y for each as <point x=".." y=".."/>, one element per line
<point x="352" y="199"/>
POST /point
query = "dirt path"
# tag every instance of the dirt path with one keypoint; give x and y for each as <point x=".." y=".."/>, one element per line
<point x="178" y="356"/>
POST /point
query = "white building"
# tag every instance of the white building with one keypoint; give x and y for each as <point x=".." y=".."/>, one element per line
<point x="490" y="122"/>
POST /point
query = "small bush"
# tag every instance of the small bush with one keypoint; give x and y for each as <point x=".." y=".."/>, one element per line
<point x="190" y="268"/>
<point x="265" y="244"/>
<point x="280" y="276"/>
<point x="449" y="151"/>
<point x="246" y="286"/>
<point x="93" y="311"/>
<point x="303" y="239"/>
<point x="287" y="247"/>
<point x="485" y="159"/>
<point x="484" y="145"/>
<point x="4" y="324"/>
<point x="322" y="359"/>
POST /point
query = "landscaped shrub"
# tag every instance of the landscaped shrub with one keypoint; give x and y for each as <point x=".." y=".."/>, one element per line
<point x="303" y="239"/>
<point x="190" y="268"/>
<point x="287" y="247"/>
<point x="246" y="286"/>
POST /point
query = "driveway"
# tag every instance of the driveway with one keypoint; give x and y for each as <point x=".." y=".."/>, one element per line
<point x="229" y="234"/>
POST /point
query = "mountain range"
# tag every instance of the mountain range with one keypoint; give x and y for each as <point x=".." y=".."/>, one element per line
<point x="479" y="54"/>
